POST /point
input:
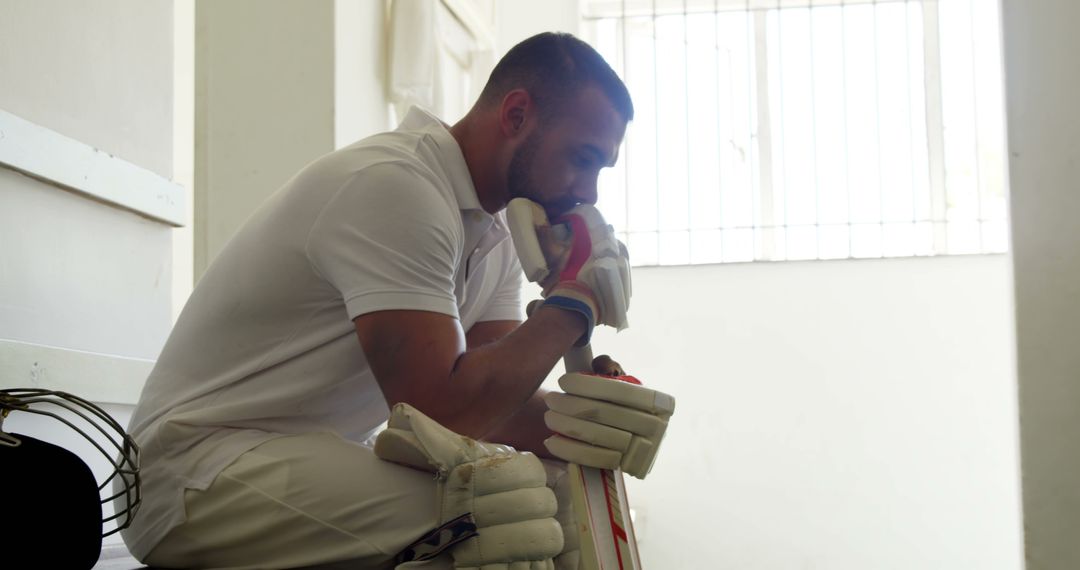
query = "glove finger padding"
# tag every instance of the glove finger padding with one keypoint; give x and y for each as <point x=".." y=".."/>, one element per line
<point x="523" y="565"/>
<point x="574" y="451"/>
<point x="598" y="263"/>
<point x="443" y="448"/>
<point x="558" y="480"/>
<point x="577" y="260"/>
<point x="612" y="297"/>
<point x="505" y="491"/>
<point x="541" y="247"/>
<point x="637" y="422"/>
<point x="625" y="393"/>
<point x="520" y="542"/>
<point x="514" y="505"/>
<point x="606" y="423"/>
<point x="587" y="431"/>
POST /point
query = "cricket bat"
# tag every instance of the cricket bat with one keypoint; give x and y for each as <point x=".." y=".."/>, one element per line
<point x="599" y="501"/>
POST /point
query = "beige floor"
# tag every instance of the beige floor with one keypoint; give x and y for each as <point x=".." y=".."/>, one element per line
<point x="116" y="557"/>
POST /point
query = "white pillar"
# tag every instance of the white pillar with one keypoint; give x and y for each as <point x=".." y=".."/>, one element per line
<point x="264" y="106"/>
<point x="1042" y="84"/>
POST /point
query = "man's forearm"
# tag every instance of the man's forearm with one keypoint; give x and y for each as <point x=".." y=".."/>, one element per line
<point x="497" y="380"/>
<point x="525" y="430"/>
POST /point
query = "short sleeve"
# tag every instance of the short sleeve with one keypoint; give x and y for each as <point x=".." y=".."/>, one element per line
<point x="389" y="239"/>
<point x="506" y="304"/>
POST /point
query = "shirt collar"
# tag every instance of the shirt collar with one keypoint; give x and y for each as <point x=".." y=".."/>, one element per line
<point x="449" y="151"/>
<point x="485" y="230"/>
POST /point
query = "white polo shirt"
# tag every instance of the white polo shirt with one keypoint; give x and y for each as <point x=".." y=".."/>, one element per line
<point x="266" y="345"/>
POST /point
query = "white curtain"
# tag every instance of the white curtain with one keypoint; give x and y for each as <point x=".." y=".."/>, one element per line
<point x="436" y="61"/>
<point x="413" y="46"/>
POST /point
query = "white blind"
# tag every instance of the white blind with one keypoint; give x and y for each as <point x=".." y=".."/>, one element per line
<point x="788" y="129"/>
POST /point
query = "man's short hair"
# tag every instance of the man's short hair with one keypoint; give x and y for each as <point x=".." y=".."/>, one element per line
<point x="554" y="67"/>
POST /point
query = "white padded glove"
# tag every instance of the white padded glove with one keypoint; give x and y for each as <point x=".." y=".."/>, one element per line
<point x="504" y="490"/>
<point x="593" y="272"/>
<point x="606" y="423"/>
<point x="558" y="481"/>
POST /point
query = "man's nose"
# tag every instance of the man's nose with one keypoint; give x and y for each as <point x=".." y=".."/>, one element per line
<point x="585" y="191"/>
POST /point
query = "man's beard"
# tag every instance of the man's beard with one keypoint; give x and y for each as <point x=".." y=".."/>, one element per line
<point x="518" y="179"/>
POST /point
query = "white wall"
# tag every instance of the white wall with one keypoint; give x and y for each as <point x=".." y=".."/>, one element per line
<point x="76" y="273"/>
<point x="519" y="19"/>
<point x="360" y="101"/>
<point x="278" y="84"/>
<point x="264" y="106"/>
<point x="85" y="287"/>
<point x="1042" y="82"/>
<point x="107" y="83"/>
<point x="838" y="415"/>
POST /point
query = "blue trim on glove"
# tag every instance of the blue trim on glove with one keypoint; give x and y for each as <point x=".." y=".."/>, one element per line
<point x="571" y="304"/>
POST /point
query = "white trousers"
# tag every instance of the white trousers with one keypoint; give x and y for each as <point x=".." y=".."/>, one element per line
<point x="313" y="500"/>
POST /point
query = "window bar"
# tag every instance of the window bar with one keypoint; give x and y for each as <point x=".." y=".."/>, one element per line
<point x="767" y="209"/>
<point x="753" y="132"/>
<point x="979" y="217"/>
<point x="626" y="143"/>
<point x="686" y="119"/>
<point x="844" y="114"/>
<point x="781" y="132"/>
<point x="751" y="148"/>
<point x="877" y="122"/>
<point x="911" y="129"/>
<point x="935" y="136"/>
<point x="813" y="135"/>
<point x="656" y="123"/>
<point x="719" y="139"/>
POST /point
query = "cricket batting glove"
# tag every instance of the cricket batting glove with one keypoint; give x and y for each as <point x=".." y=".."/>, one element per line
<point x="558" y="480"/>
<point x="576" y="259"/>
<point x="607" y="422"/>
<point x="502" y="492"/>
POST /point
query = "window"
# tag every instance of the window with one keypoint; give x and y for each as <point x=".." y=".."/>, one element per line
<point x="797" y="129"/>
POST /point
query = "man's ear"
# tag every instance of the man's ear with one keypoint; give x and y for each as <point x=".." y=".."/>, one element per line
<point x="516" y="113"/>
